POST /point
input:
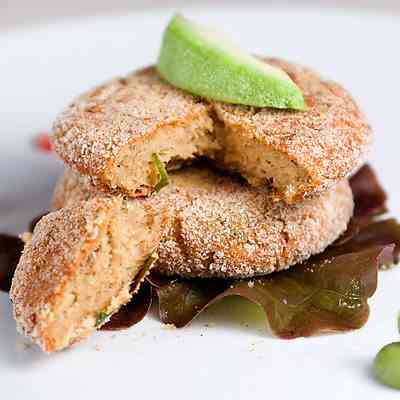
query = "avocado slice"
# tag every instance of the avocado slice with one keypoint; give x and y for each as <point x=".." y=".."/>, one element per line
<point x="205" y="63"/>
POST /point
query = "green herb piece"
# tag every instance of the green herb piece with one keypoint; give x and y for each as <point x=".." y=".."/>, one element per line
<point x="164" y="180"/>
<point x="369" y="195"/>
<point x="101" y="317"/>
<point x="150" y="261"/>
<point x="387" y="365"/>
<point x="398" y="321"/>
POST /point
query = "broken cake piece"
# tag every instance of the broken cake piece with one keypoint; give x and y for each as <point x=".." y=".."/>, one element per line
<point x="112" y="133"/>
<point x="221" y="228"/>
<point x="82" y="264"/>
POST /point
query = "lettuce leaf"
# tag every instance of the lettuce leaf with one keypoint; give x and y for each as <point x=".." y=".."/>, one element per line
<point x="369" y="196"/>
<point x="133" y="312"/>
<point x="10" y="251"/>
<point x="326" y="293"/>
<point x="140" y="303"/>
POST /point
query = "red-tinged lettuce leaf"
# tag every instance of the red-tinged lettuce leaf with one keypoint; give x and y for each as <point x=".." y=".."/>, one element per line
<point x="369" y="196"/>
<point x="157" y="280"/>
<point x="329" y="292"/>
<point x="179" y="301"/>
<point x="140" y="303"/>
<point x="133" y="312"/>
<point x="35" y="220"/>
<point x="10" y="251"/>
<point x="369" y="202"/>
<point x="353" y="228"/>
<point x="321" y="296"/>
<point x="376" y="233"/>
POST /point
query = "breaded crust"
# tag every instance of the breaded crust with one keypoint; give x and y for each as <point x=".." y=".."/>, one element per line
<point x="110" y="133"/>
<point x="221" y="227"/>
<point x="80" y="265"/>
<point x="92" y="134"/>
<point x="327" y="142"/>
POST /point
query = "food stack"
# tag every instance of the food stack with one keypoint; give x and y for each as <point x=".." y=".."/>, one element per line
<point x="168" y="174"/>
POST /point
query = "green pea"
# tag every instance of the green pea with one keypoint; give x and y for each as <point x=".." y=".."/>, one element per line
<point x="387" y="365"/>
<point x="398" y="321"/>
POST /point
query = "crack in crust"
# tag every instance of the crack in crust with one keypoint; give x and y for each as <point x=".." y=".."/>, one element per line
<point x="110" y="132"/>
<point x="220" y="227"/>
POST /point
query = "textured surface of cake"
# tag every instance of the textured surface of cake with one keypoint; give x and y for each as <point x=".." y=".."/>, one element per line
<point x="81" y="265"/>
<point x="220" y="227"/>
<point x="111" y="133"/>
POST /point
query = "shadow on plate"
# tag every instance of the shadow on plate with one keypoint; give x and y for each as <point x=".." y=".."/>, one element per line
<point x="16" y="351"/>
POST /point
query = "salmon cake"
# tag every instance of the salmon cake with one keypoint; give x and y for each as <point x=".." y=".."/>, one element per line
<point x="220" y="227"/>
<point x="112" y="134"/>
<point x="82" y="264"/>
<point x="86" y="258"/>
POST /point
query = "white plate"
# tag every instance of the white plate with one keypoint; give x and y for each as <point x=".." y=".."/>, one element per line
<point x="41" y="69"/>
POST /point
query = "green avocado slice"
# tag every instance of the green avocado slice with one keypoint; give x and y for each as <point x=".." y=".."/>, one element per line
<point x="205" y="63"/>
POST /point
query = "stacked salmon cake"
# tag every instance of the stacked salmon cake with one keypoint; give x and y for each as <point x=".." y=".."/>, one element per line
<point x="158" y="178"/>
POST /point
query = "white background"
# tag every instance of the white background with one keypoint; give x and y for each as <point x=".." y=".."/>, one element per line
<point x="23" y="12"/>
<point x="42" y="69"/>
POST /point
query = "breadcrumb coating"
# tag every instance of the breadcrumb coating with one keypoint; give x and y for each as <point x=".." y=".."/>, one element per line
<point x="104" y="129"/>
<point x="220" y="227"/>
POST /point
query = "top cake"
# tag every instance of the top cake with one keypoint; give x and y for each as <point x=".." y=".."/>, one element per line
<point x="115" y="132"/>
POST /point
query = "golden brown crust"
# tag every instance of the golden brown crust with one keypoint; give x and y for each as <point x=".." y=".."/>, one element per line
<point x="71" y="188"/>
<point x="327" y="142"/>
<point x="223" y="228"/>
<point x="90" y="133"/>
<point x="59" y="242"/>
<point x="59" y="283"/>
